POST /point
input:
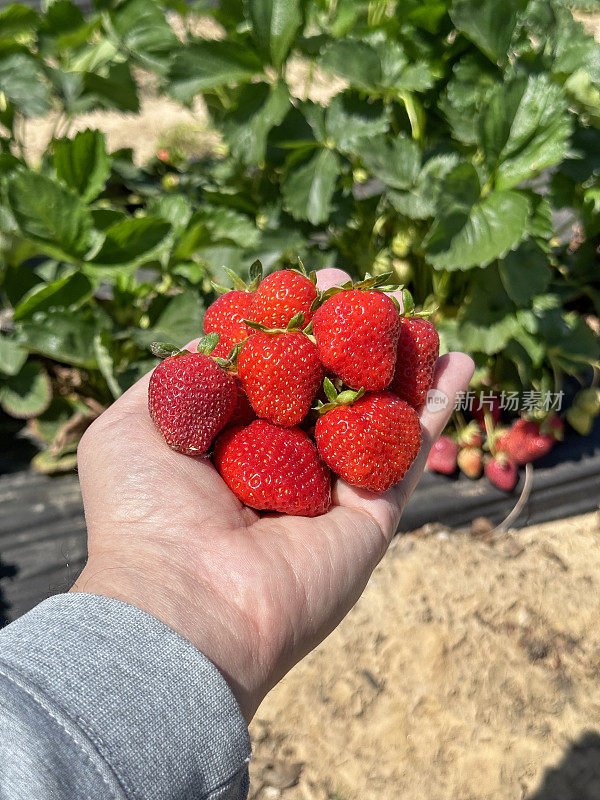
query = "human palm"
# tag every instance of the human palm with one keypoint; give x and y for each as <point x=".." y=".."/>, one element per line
<point x="254" y="592"/>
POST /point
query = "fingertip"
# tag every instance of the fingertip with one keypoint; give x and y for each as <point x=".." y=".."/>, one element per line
<point x="329" y="277"/>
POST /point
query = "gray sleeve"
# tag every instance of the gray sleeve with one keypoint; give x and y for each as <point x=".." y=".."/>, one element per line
<point x="101" y="700"/>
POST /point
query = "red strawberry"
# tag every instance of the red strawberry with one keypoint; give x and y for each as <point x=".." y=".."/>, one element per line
<point x="280" y="296"/>
<point x="443" y="456"/>
<point x="370" y="443"/>
<point x="281" y="374"/>
<point x="243" y="413"/>
<point x="226" y="317"/>
<point x="418" y="350"/>
<point x="357" y="334"/>
<point x="502" y="472"/>
<point x="470" y="461"/>
<point x="274" y="469"/>
<point x="190" y="398"/>
<point x="492" y="405"/>
<point x="524" y="442"/>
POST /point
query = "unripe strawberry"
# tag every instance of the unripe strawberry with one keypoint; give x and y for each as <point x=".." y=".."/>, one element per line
<point x="588" y="400"/>
<point x="443" y="456"/>
<point x="470" y="436"/>
<point x="281" y="374"/>
<point x="470" y="462"/>
<point x="190" y="399"/>
<point x="357" y="334"/>
<point x="502" y="472"/>
<point x="370" y="443"/>
<point x="274" y="469"/>
<point x="282" y="296"/>
<point x="580" y="420"/>
<point x="417" y="352"/>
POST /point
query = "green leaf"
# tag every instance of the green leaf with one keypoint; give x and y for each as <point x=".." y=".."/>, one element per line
<point x="22" y="82"/>
<point x="50" y="464"/>
<point x="102" y="342"/>
<point x="525" y="272"/>
<point x="82" y="163"/>
<point x="17" y="20"/>
<point x="275" y="24"/>
<point x="69" y="291"/>
<point x="142" y="28"/>
<point x="65" y="336"/>
<point x="355" y="61"/>
<point x="115" y="88"/>
<point x="174" y="208"/>
<point x="131" y="242"/>
<point x="12" y="356"/>
<point x="471" y="231"/>
<point x="50" y="215"/>
<point x="421" y="201"/>
<point x="206" y="65"/>
<point x="227" y="225"/>
<point x="395" y="161"/>
<point x="28" y="393"/>
<point x="307" y="190"/>
<point x="179" y="322"/>
<point x="525" y="129"/>
<point x="260" y="107"/>
<point x="488" y="24"/>
<point x="350" y="120"/>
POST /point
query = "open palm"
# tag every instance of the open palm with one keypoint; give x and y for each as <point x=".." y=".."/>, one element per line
<point x="254" y="592"/>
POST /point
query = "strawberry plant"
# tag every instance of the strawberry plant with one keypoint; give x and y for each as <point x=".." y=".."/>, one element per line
<point x="453" y="142"/>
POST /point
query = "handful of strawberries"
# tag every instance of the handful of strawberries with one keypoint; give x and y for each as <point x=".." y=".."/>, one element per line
<point x="290" y="383"/>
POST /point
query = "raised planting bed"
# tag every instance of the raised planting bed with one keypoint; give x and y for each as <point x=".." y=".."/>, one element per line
<point x="42" y="527"/>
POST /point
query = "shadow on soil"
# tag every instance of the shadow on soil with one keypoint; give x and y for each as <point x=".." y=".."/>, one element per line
<point x="577" y="776"/>
<point x="6" y="571"/>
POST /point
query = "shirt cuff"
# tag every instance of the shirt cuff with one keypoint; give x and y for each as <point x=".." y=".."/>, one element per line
<point x="154" y="707"/>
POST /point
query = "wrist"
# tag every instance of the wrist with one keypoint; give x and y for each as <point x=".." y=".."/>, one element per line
<point x="191" y="610"/>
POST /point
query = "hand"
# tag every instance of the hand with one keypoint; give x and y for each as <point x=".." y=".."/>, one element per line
<point x="253" y="593"/>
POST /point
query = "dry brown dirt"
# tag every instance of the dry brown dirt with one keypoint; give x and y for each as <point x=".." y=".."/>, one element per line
<point x="467" y="671"/>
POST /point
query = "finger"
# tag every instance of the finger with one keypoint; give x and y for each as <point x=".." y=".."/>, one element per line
<point x="326" y="278"/>
<point x="453" y="374"/>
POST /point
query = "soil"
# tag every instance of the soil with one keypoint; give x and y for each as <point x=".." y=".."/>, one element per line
<point x="468" y="670"/>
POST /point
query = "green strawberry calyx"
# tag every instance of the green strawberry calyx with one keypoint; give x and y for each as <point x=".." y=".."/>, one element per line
<point x="205" y="347"/>
<point x="336" y="398"/>
<point x="255" y="276"/>
<point x="295" y="325"/>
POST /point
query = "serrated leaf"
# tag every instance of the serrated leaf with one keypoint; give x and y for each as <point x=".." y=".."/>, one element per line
<point x="275" y="24"/>
<point x="524" y="129"/>
<point x="22" y="82"/>
<point x="227" y="225"/>
<point x="131" y="242"/>
<point x="102" y="342"/>
<point x="27" y="393"/>
<point x="143" y="29"/>
<point x="488" y="24"/>
<point x="525" y="272"/>
<point x="350" y="119"/>
<point x="355" y="61"/>
<point x="470" y="231"/>
<point x="206" y="65"/>
<point x="260" y="107"/>
<point x="82" y="163"/>
<point x="12" y="356"/>
<point x="421" y="201"/>
<point x="395" y="161"/>
<point x="50" y="215"/>
<point x="66" y="337"/>
<point x="17" y="19"/>
<point x="69" y="291"/>
<point x="307" y="189"/>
